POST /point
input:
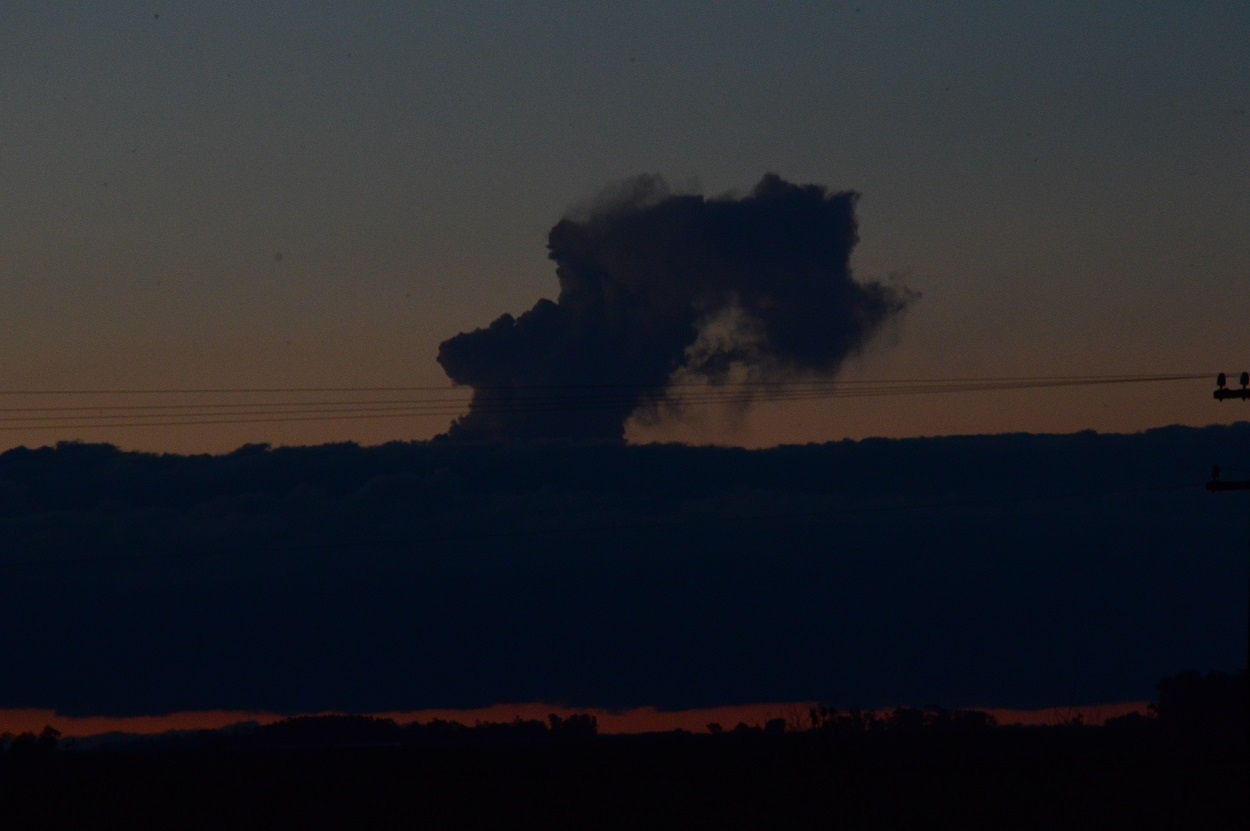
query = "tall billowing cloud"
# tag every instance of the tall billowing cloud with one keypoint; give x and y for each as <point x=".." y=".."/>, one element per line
<point x="655" y="285"/>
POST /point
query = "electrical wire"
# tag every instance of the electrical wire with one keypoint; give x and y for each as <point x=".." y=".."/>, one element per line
<point x="442" y="401"/>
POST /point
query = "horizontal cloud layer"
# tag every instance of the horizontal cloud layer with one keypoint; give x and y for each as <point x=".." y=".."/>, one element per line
<point x="982" y="571"/>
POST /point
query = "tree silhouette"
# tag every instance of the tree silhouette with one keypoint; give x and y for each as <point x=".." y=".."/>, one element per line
<point x="1210" y="707"/>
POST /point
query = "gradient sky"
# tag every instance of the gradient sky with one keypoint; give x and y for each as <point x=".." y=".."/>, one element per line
<point x="311" y="194"/>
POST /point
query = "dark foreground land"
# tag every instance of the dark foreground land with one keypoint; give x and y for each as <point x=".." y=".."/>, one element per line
<point x="1059" y="777"/>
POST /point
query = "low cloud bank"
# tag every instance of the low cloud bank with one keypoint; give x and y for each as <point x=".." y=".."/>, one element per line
<point x="999" y="571"/>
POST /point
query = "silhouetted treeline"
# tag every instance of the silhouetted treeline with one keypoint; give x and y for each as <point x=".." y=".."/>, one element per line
<point x="747" y="777"/>
<point x="326" y="730"/>
<point x="1211" y="707"/>
<point x="346" y="730"/>
<point x="828" y="719"/>
<point x="1208" y="709"/>
<point x="27" y="744"/>
<point x="1179" y="765"/>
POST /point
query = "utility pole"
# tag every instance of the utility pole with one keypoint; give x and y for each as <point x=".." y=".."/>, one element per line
<point x="1222" y="391"/>
<point x="1218" y="485"/>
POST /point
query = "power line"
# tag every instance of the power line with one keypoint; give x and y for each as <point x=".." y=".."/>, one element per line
<point x="530" y="399"/>
<point x="195" y="422"/>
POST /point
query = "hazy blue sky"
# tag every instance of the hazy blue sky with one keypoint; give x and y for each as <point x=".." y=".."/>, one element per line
<point x="317" y="194"/>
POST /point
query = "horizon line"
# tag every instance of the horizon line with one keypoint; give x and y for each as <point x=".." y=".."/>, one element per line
<point x="630" y="721"/>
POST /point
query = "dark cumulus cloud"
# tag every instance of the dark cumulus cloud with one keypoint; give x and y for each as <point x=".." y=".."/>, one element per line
<point x="657" y="287"/>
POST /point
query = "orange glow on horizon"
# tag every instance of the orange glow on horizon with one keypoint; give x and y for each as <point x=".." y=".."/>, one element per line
<point x="620" y="722"/>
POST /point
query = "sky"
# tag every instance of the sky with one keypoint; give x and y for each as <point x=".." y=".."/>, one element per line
<point x="243" y="196"/>
<point x="238" y="223"/>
